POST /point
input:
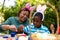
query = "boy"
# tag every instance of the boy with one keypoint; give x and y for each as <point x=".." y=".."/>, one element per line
<point x="36" y="26"/>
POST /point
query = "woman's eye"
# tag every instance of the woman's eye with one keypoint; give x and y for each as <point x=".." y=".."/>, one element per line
<point x="23" y="14"/>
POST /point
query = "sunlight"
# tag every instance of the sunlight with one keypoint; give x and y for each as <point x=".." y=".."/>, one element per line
<point x="1" y="2"/>
<point x="8" y="3"/>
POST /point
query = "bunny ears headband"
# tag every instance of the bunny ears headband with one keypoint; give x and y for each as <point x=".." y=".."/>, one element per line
<point x="28" y="6"/>
<point x="41" y="9"/>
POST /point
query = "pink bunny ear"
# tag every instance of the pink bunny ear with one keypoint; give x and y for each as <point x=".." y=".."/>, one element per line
<point x="27" y="5"/>
<point x="32" y="8"/>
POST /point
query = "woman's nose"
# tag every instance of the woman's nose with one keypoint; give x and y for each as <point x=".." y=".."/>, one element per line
<point x="25" y="16"/>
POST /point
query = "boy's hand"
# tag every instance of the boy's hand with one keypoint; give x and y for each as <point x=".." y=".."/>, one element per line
<point x="20" y="28"/>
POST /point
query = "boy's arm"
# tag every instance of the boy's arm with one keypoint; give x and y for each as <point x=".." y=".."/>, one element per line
<point x="46" y="30"/>
<point x="26" y="30"/>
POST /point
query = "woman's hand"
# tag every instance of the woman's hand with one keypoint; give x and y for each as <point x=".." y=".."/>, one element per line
<point x="5" y="27"/>
<point x="20" y="28"/>
<point x="13" y="28"/>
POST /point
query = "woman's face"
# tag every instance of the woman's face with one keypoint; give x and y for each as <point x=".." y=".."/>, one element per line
<point x="23" y="16"/>
<point x="37" y="21"/>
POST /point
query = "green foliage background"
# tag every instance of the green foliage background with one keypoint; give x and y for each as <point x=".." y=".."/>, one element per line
<point x="50" y="16"/>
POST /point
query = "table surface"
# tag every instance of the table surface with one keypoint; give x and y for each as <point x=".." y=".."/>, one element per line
<point x="2" y="35"/>
<point x="14" y="38"/>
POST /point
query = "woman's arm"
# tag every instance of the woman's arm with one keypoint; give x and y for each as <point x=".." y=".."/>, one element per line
<point x="5" y="25"/>
<point x="8" y="25"/>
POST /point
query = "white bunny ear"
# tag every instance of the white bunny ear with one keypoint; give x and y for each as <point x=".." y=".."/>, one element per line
<point x="38" y="8"/>
<point x="43" y="16"/>
<point x="43" y="8"/>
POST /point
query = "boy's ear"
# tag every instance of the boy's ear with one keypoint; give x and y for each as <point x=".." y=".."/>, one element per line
<point x="41" y="21"/>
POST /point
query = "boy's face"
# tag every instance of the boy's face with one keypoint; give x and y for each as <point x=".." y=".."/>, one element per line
<point x="37" y="21"/>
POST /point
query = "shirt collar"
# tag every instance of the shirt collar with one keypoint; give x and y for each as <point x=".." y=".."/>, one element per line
<point x="39" y="27"/>
<point x="18" y="20"/>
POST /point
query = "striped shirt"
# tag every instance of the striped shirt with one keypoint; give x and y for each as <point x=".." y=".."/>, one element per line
<point x="31" y="29"/>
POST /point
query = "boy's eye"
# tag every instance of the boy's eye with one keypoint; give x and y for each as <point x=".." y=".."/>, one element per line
<point x="35" y="20"/>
